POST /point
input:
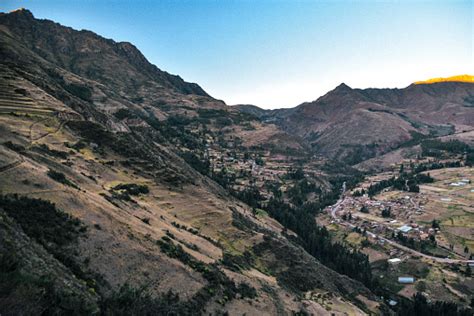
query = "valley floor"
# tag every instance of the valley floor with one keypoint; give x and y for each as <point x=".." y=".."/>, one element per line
<point x="427" y="236"/>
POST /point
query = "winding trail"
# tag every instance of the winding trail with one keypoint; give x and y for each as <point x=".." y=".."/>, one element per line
<point x="63" y="116"/>
<point x="335" y="208"/>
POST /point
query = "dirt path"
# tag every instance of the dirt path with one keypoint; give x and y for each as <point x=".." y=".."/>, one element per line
<point x="12" y="165"/>
<point x="63" y="116"/>
<point x="43" y="191"/>
<point x="33" y="139"/>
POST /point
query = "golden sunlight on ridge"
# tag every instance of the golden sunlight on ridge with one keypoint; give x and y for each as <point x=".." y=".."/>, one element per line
<point x="460" y="78"/>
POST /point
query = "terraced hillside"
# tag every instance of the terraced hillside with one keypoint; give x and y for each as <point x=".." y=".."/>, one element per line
<point x="13" y="98"/>
<point x="128" y="236"/>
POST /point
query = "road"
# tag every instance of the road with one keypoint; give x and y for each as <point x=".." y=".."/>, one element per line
<point x="335" y="208"/>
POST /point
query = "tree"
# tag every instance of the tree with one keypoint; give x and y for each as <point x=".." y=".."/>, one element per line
<point x="421" y="307"/>
<point x="259" y="161"/>
<point x="364" y="209"/>
<point x="386" y="212"/>
<point x="420" y="286"/>
<point x="413" y="188"/>
<point x="297" y="174"/>
<point x="317" y="240"/>
<point x="254" y="211"/>
<point x="435" y="224"/>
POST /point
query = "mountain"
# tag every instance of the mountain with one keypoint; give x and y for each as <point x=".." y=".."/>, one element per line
<point x="88" y="55"/>
<point x="109" y="202"/>
<point x="356" y="124"/>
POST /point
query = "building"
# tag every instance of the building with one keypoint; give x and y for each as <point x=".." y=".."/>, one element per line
<point x="406" y="280"/>
<point x="405" y="228"/>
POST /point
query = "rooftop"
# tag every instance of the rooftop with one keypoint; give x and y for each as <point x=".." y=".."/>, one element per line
<point x="405" y="228"/>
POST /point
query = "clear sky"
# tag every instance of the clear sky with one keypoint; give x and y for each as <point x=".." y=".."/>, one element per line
<point x="281" y="53"/>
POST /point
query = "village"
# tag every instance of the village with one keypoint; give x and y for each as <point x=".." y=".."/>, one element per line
<point x="432" y="230"/>
<point x="260" y="168"/>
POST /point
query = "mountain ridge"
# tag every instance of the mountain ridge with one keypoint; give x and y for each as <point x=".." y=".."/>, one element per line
<point x="126" y="49"/>
<point x="345" y="117"/>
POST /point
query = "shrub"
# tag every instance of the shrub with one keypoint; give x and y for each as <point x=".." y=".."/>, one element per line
<point x="125" y="113"/>
<point x="43" y="148"/>
<point x="14" y="146"/>
<point x="236" y="262"/>
<point x="61" y="178"/>
<point x="132" y="188"/>
<point x="124" y="191"/>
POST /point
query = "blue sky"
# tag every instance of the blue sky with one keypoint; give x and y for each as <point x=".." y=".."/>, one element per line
<point x="282" y="53"/>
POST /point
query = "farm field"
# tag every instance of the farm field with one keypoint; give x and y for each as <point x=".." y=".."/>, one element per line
<point x="449" y="200"/>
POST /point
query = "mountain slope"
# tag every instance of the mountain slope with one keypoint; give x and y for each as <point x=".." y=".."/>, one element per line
<point x="90" y="56"/>
<point x="86" y="124"/>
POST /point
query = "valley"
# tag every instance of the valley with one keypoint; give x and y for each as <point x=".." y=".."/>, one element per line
<point x="129" y="191"/>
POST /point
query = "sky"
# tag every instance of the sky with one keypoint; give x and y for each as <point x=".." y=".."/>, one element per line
<point x="277" y="54"/>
